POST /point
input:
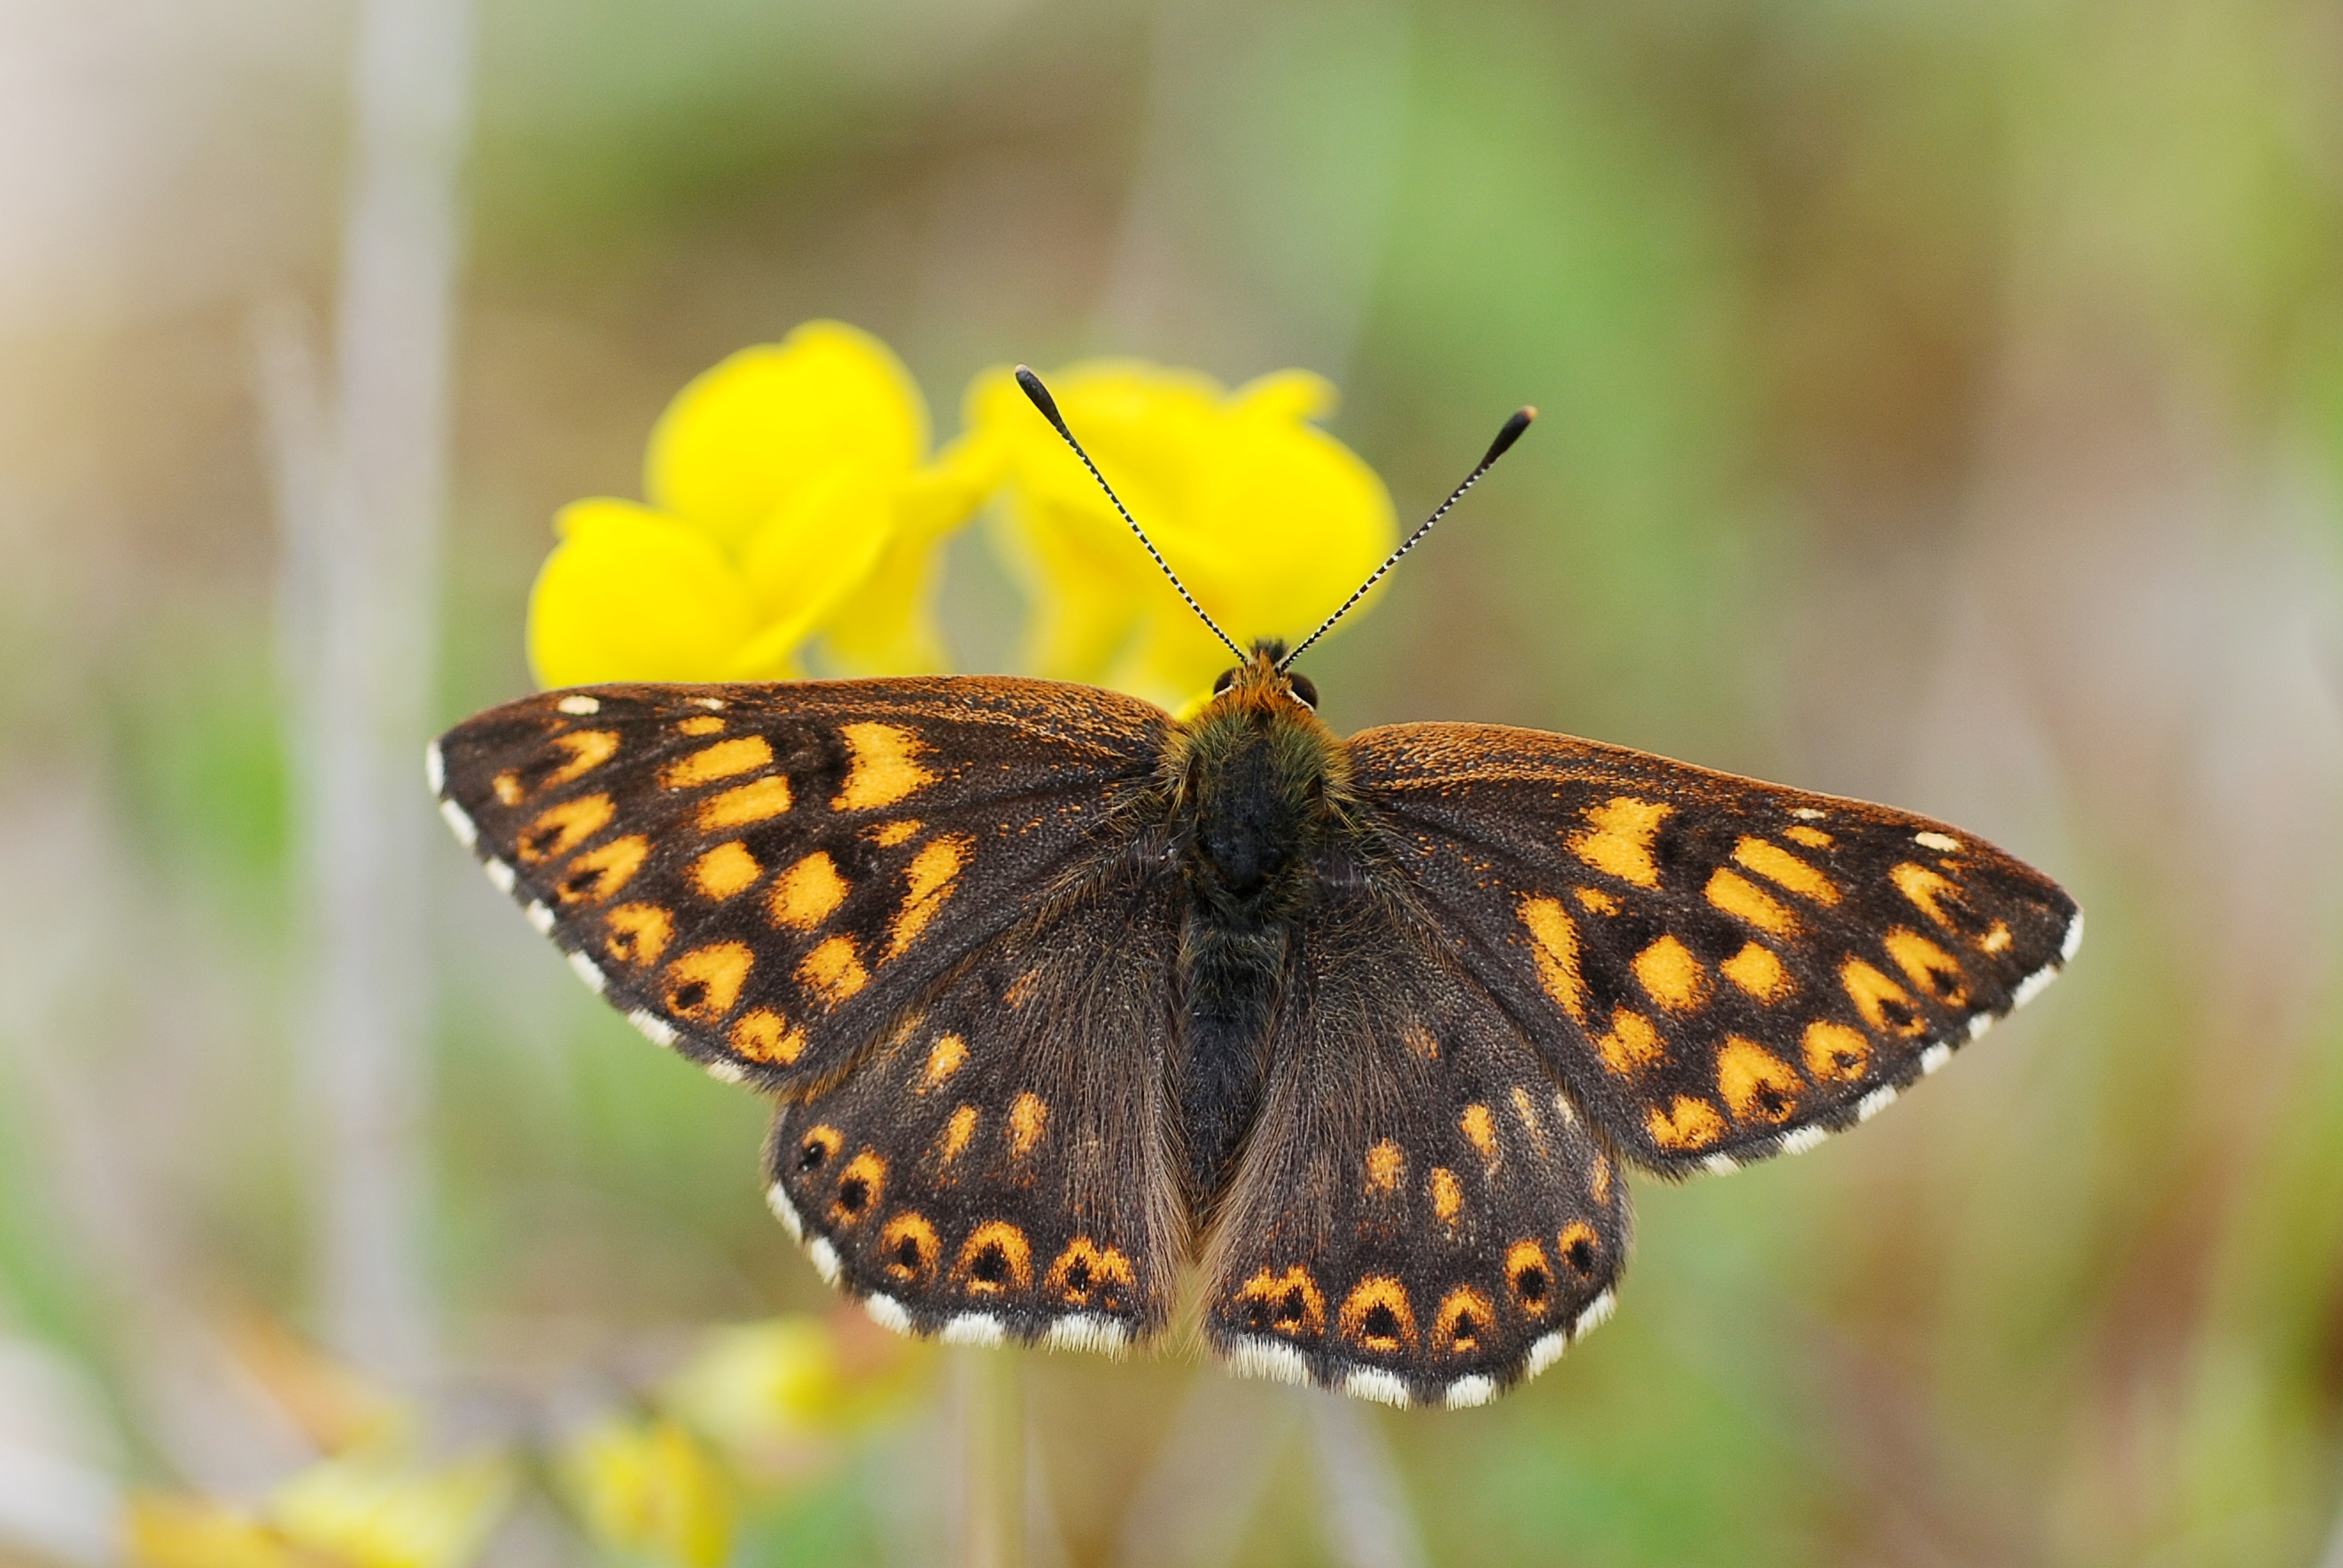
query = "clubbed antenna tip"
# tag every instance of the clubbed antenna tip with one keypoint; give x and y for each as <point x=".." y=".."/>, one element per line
<point x="1519" y="422"/>
<point x="1048" y="407"/>
<point x="1043" y="401"/>
<point x="1505" y="437"/>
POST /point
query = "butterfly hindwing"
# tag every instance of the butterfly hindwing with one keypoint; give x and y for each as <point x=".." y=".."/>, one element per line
<point x="1720" y="969"/>
<point x="996" y="1167"/>
<point x="1420" y="1216"/>
<point x="765" y="875"/>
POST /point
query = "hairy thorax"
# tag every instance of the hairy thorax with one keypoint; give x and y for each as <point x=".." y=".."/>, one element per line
<point x="1260" y="804"/>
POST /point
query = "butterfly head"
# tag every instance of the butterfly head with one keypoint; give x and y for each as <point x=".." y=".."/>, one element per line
<point x="1262" y="678"/>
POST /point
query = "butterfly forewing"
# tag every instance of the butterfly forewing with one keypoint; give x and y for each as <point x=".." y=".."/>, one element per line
<point x="996" y="1167"/>
<point x="1421" y="1217"/>
<point x="1718" y="969"/>
<point x="765" y="876"/>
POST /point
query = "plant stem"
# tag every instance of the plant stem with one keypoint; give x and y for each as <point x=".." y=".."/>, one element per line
<point x="991" y="1414"/>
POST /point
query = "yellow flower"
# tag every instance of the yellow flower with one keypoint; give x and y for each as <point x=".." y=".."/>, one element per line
<point x="369" y="1508"/>
<point x="650" y="1488"/>
<point x="788" y="496"/>
<point x="1269" y="521"/>
<point x="776" y="1395"/>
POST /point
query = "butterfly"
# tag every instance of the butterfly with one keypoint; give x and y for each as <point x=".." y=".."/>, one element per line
<point x="1064" y="1001"/>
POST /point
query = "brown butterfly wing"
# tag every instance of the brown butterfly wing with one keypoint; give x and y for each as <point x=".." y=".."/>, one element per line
<point x="766" y="876"/>
<point x="997" y="1168"/>
<point x="1420" y="1216"/>
<point x="1718" y="969"/>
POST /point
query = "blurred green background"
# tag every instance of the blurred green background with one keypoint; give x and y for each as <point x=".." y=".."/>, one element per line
<point x="1944" y="404"/>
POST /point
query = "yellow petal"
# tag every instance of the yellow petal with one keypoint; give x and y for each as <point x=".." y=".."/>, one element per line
<point x="754" y="1384"/>
<point x="746" y="437"/>
<point x="1269" y="521"/>
<point x="632" y="595"/>
<point x="169" y="1532"/>
<point x="373" y="1508"/>
<point x="651" y="1488"/>
<point x="887" y="625"/>
<point x="817" y="548"/>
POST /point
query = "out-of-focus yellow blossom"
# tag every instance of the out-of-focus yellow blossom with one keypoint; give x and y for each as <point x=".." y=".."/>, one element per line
<point x="370" y="1508"/>
<point x="788" y="496"/>
<point x="778" y="1395"/>
<point x="172" y="1532"/>
<point x="1269" y="521"/>
<point x="649" y="1489"/>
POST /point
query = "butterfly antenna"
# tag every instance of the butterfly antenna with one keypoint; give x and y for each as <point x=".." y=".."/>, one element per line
<point x="1049" y="406"/>
<point x="1505" y="438"/>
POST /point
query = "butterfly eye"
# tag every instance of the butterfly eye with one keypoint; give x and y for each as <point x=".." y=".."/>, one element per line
<point x="1305" y="690"/>
<point x="1228" y="678"/>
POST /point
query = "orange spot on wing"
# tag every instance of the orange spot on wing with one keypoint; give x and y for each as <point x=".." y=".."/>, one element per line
<point x="1463" y="1322"/>
<point x="1688" y="1124"/>
<point x="1632" y="1044"/>
<point x="817" y="1148"/>
<point x="561" y="828"/>
<point x="725" y="870"/>
<point x="1996" y="938"/>
<point x="931" y="875"/>
<point x="946" y="1057"/>
<point x="1480" y="1129"/>
<point x="704" y="983"/>
<point x="887" y="835"/>
<point x="1595" y="900"/>
<point x="638" y="934"/>
<point x="1385" y="1166"/>
<point x="907" y="1248"/>
<point x="764" y="1035"/>
<point x="1418" y="1039"/>
<point x="1835" y="1054"/>
<point x="1778" y="866"/>
<point x="597" y="873"/>
<point x="1530" y="1277"/>
<point x="882" y="767"/>
<point x="587" y="749"/>
<point x="1377" y="1315"/>
<point x="1086" y="1273"/>
<point x="861" y="1189"/>
<point x="958" y="1131"/>
<point x="725" y="759"/>
<point x="1672" y="975"/>
<point x="1756" y="971"/>
<point x="1029" y="1117"/>
<point x="1619" y="838"/>
<point x="1885" y="1005"/>
<point x="758" y="801"/>
<point x="1812" y="837"/>
<point x="1580" y="1247"/>
<point x="1287" y="1303"/>
<point x="1446" y="1193"/>
<point x="808" y="893"/>
<point x="1598" y="1180"/>
<point x="1744" y="899"/>
<point x="1525" y="1112"/>
<point x="1759" y="1085"/>
<point x="834" y="971"/>
<point x="1928" y="966"/>
<point x="1928" y="889"/>
<point x="994" y="1260"/>
<point x="1554" y="946"/>
<point x="699" y="724"/>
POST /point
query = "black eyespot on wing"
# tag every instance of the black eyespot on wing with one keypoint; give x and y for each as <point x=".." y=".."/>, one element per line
<point x="1305" y="690"/>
